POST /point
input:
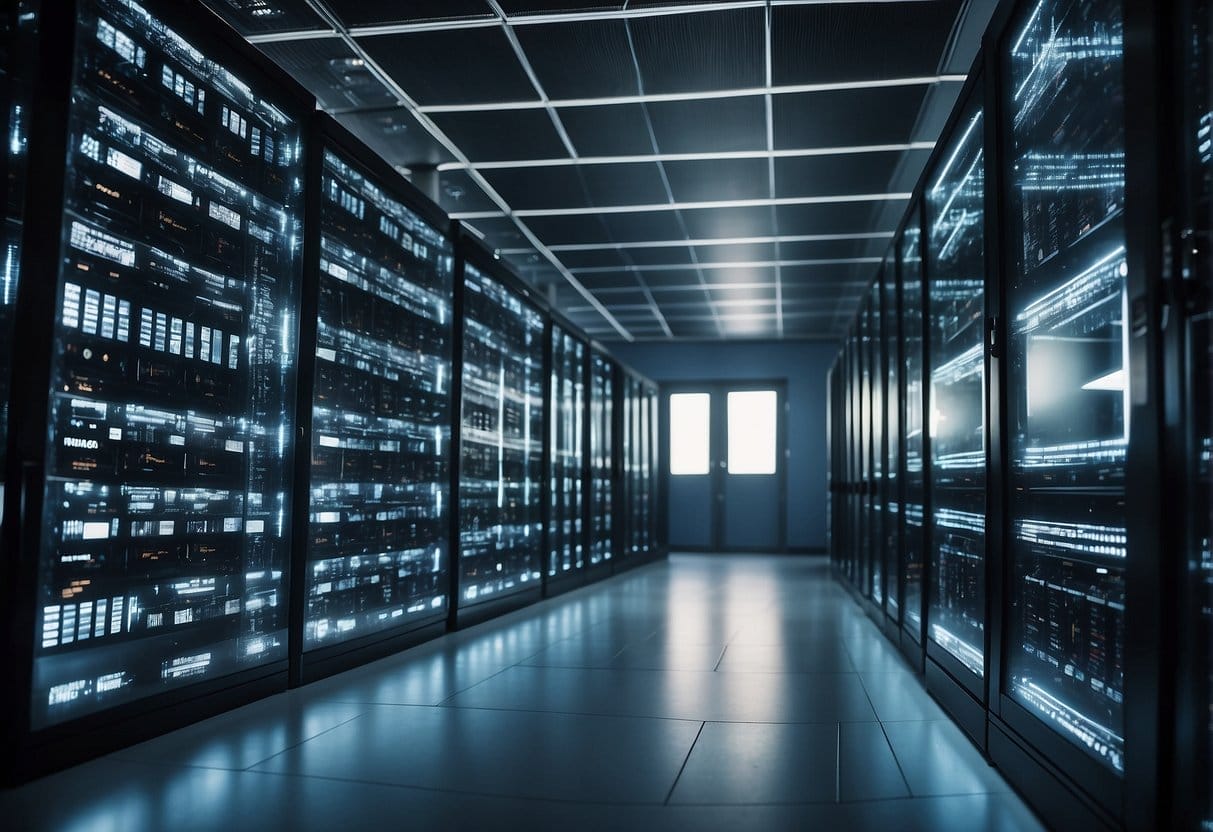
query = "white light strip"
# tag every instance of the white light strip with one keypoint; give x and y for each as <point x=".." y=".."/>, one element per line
<point x="712" y="241"/>
<point x="831" y="286"/>
<point x="591" y="210"/>
<point x="640" y="158"/>
<point x="702" y="95"/>
<point x="326" y="14"/>
<point x="481" y="22"/>
<point x="740" y="264"/>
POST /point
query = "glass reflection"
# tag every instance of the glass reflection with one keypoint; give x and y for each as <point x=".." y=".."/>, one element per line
<point x="956" y="298"/>
<point x="914" y="487"/>
<point x="165" y="527"/>
<point x="1068" y="392"/>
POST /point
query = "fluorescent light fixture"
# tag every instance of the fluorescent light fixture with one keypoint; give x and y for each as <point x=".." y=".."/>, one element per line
<point x="1113" y="381"/>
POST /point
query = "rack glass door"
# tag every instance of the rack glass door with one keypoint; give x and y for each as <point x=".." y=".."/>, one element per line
<point x="1067" y="387"/>
<point x="1194" y="723"/>
<point x="956" y="299"/>
<point x="876" y="549"/>
<point x="602" y="455"/>
<point x="378" y="527"/>
<point x="909" y="258"/>
<point x="501" y="455"/>
<point x="165" y="529"/>
<point x="891" y="340"/>
<point x="566" y="546"/>
<point x="18" y="29"/>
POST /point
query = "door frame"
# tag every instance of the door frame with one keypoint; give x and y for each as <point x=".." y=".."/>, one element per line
<point x="718" y="454"/>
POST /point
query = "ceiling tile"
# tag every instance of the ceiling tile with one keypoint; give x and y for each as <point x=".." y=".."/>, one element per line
<point x="719" y="179"/>
<point x="581" y="60"/>
<point x="457" y="192"/>
<point x="332" y="72"/>
<point x="436" y="67"/>
<point x="843" y="118"/>
<point x="396" y="136"/>
<point x="555" y="230"/>
<point x="736" y="252"/>
<point x="750" y="221"/>
<point x="710" y="125"/>
<point x="616" y="280"/>
<point x="826" y="43"/>
<point x="612" y="130"/>
<point x="502" y="134"/>
<point x="860" y="173"/>
<point x="625" y="184"/>
<point x="255" y="17"/>
<point x="650" y="225"/>
<point x="540" y="6"/>
<point x="705" y="51"/>
<point x="380" y="12"/>
<point x="824" y="249"/>
<point x="840" y="218"/>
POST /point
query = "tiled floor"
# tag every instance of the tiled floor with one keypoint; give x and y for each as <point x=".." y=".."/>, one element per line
<point x="704" y="693"/>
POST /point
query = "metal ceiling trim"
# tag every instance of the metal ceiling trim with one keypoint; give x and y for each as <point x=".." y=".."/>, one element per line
<point x="321" y="8"/>
<point x="591" y="210"/>
<point x="705" y="156"/>
<point x="699" y="95"/>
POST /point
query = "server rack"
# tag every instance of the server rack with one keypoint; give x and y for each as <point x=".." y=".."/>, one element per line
<point x="954" y="200"/>
<point x="602" y="489"/>
<point x="875" y="384"/>
<point x="18" y="31"/>
<point x="892" y="496"/>
<point x="149" y="541"/>
<point x="1057" y="705"/>
<point x="501" y="477"/>
<point x="373" y="499"/>
<point x="565" y="558"/>
<point x="915" y="369"/>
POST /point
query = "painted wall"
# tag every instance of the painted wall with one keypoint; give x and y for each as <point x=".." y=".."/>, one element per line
<point x="804" y="364"/>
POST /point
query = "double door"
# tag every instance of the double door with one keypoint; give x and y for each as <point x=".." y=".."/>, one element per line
<point x="726" y="467"/>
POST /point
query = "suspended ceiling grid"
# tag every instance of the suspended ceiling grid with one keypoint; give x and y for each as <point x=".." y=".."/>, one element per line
<point x="660" y="170"/>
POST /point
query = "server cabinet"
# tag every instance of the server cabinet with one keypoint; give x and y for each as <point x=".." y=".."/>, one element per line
<point x="18" y="30"/>
<point x="876" y="411"/>
<point x="954" y="201"/>
<point x="1186" y="161"/>
<point x="602" y="457"/>
<point x="892" y="498"/>
<point x="566" y="539"/>
<point x="914" y="368"/>
<point x="154" y="414"/>
<point x="1065" y="431"/>
<point x="864" y="378"/>
<point x="501" y="476"/>
<point x="854" y="433"/>
<point x="372" y="511"/>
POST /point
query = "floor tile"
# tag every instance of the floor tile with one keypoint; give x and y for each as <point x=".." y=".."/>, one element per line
<point x="867" y="769"/>
<point x="755" y="763"/>
<point x="675" y="694"/>
<point x="823" y="655"/>
<point x="938" y="759"/>
<point x="555" y="756"/>
<point x="578" y="712"/>
<point x="900" y="697"/>
<point x="244" y="737"/>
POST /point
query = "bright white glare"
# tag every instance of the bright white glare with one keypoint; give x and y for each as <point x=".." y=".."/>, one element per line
<point x="1114" y="381"/>
<point x="752" y="423"/>
<point x="690" y="433"/>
